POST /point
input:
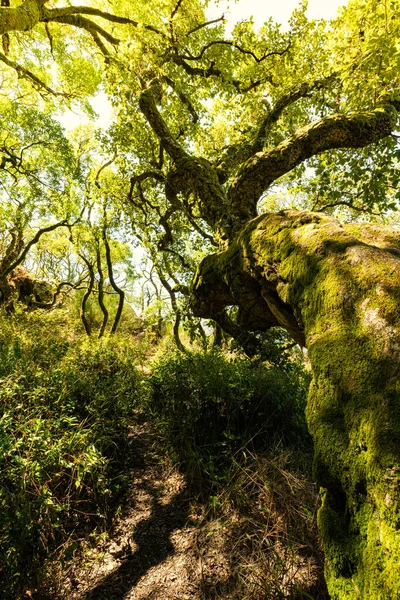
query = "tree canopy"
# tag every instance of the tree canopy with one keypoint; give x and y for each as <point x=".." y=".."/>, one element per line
<point x="206" y="126"/>
<point x="208" y="132"/>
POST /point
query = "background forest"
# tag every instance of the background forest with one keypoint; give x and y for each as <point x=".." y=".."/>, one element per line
<point x="114" y="310"/>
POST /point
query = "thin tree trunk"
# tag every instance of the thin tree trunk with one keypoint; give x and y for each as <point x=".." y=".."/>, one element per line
<point x="114" y="285"/>
<point x="101" y="294"/>
<point x="86" y="296"/>
<point x="217" y="340"/>
<point x="177" y="312"/>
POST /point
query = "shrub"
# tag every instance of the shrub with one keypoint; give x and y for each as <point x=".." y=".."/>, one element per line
<point x="209" y="407"/>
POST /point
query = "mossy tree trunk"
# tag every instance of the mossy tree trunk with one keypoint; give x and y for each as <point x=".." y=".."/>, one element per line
<point x="336" y="289"/>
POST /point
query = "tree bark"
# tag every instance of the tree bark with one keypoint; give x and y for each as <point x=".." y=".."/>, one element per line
<point x="22" y="18"/>
<point x="336" y="289"/>
<point x="120" y="292"/>
<point x="101" y="294"/>
<point x="86" y="324"/>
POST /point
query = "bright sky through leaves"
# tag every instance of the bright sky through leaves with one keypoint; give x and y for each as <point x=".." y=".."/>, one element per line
<point x="279" y="10"/>
<point x="260" y="10"/>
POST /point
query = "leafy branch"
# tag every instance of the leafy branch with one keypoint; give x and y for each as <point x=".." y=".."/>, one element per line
<point x="24" y="73"/>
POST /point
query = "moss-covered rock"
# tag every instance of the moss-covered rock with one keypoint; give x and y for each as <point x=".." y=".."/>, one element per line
<point x="336" y="289"/>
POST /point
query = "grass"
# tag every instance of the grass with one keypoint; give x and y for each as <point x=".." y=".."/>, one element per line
<point x="268" y="514"/>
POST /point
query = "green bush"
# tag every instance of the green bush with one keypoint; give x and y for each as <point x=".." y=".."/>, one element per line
<point x="209" y="407"/>
<point x="63" y="407"/>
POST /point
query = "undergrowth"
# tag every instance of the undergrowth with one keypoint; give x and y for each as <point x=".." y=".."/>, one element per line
<point x="238" y="430"/>
<point x="64" y="401"/>
<point x="231" y="424"/>
<point x="208" y="407"/>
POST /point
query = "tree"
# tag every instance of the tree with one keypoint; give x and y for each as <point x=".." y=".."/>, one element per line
<point x="205" y="126"/>
<point x="38" y="191"/>
<point x="335" y="289"/>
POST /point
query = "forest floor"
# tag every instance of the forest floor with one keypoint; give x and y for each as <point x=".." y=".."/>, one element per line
<point x="167" y="545"/>
<point x="156" y="548"/>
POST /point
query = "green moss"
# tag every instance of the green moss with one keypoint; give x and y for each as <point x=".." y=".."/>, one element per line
<point x="348" y="294"/>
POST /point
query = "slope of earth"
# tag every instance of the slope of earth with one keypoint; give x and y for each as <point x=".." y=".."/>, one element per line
<point x="167" y="544"/>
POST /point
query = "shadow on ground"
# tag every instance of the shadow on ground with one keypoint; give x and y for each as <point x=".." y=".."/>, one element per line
<point x="152" y="537"/>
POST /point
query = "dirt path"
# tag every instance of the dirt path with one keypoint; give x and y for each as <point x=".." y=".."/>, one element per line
<point x="153" y="551"/>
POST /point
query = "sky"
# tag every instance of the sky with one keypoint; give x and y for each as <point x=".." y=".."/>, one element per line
<point x="279" y="10"/>
<point x="260" y="10"/>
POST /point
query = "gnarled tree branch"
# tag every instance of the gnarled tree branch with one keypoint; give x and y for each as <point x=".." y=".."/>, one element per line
<point x="235" y="155"/>
<point x="31" y="243"/>
<point x="90" y="26"/>
<point x="275" y="113"/>
<point x="57" y="292"/>
<point x="335" y="131"/>
<point x="148" y="101"/>
<point x="189" y="173"/>
<point x="236" y="46"/>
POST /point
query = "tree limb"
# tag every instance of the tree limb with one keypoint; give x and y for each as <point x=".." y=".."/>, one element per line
<point x="235" y="155"/>
<point x="335" y="131"/>
<point x="189" y="173"/>
<point x="177" y="7"/>
<point x="90" y="26"/>
<point x="206" y="24"/>
<point x="31" y="12"/>
<point x="273" y="115"/>
<point x="183" y="98"/>
<point x="246" y="340"/>
<point x="142" y="177"/>
<point x="148" y="101"/>
<point x="12" y="251"/>
<point x="62" y="284"/>
<point x="104" y="166"/>
<point x="236" y="46"/>
<point x="119" y="291"/>
<point x="32" y="242"/>
<point x="67" y="11"/>
<point x="211" y="71"/>
<point x="26" y="74"/>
